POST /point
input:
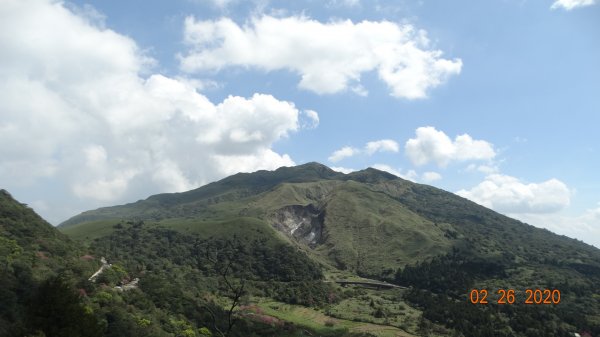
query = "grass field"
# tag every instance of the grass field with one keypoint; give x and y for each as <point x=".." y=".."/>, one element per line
<point x="321" y="322"/>
<point x="378" y="307"/>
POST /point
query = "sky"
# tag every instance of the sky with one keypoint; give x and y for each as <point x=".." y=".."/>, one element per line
<point x="107" y="102"/>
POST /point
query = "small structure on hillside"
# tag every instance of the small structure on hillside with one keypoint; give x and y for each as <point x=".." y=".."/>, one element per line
<point x="369" y="284"/>
<point x="128" y="286"/>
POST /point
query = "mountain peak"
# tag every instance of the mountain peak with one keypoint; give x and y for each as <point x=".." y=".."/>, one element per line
<point x="4" y="194"/>
<point x="371" y="175"/>
<point x="318" y="168"/>
<point x="314" y="165"/>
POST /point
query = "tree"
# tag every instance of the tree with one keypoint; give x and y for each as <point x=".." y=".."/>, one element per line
<point x="235" y="289"/>
<point x="57" y="311"/>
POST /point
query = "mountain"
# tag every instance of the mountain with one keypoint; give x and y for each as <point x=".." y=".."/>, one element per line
<point x="349" y="221"/>
<point x="27" y="240"/>
<point x="363" y="224"/>
<point x="35" y="258"/>
<point x="48" y="286"/>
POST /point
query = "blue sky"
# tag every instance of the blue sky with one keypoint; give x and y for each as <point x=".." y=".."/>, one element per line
<point x="107" y="102"/>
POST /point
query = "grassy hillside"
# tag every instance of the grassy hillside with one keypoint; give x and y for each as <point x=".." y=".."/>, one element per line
<point x="368" y="221"/>
<point x="359" y="228"/>
<point x="373" y="224"/>
<point x="238" y="186"/>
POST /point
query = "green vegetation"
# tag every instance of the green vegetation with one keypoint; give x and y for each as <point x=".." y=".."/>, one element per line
<point x="180" y="292"/>
<point x="39" y="266"/>
<point x="257" y="255"/>
<point x="356" y="227"/>
<point x="323" y="324"/>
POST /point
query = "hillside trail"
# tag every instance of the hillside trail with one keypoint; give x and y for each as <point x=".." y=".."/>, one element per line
<point x="105" y="265"/>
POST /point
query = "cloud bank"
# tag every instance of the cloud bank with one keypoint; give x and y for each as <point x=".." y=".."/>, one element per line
<point x="80" y="118"/>
<point x="585" y="226"/>
<point x="329" y="57"/>
<point x="509" y="195"/>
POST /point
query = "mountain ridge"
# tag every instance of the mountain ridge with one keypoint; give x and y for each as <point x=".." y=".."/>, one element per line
<point x="354" y="217"/>
<point x="256" y="182"/>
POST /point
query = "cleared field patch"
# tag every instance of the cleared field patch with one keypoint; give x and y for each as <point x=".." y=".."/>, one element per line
<point x="321" y="322"/>
<point x="378" y="307"/>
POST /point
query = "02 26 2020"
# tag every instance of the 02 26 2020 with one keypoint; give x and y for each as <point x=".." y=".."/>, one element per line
<point x="509" y="296"/>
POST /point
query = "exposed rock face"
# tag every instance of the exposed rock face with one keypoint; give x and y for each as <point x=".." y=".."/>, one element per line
<point x="303" y="223"/>
<point x="129" y="285"/>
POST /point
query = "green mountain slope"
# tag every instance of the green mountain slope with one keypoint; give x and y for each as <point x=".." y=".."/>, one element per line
<point x="28" y="241"/>
<point x="238" y="186"/>
<point x="37" y="264"/>
<point x="371" y="223"/>
<point x="180" y="287"/>
<point x="340" y="219"/>
<point x="365" y="222"/>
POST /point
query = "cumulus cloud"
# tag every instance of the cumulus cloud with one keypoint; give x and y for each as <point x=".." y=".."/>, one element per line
<point x="383" y="145"/>
<point x="329" y="57"/>
<point x="571" y="4"/>
<point x="342" y="153"/>
<point x="431" y="145"/>
<point x="311" y="119"/>
<point x="510" y="195"/>
<point x="585" y="227"/>
<point x="75" y="107"/>
<point x="342" y="169"/>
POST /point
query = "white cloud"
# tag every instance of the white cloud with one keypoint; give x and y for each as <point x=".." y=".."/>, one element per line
<point x="342" y="169"/>
<point x="217" y="3"/>
<point x="408" y="175"/>
<point x="509" y="195"/>
<point x="571" y="4"/>
<point x="487" y="169"/>
<point x="360" y="90"/>
<point x="329" y="57"/>
<point x="412" y="175"/>
<point x="384" y="145"/>
<point x="311" y="119"/>
<point x="342" y="153"/>
<point x="105" y="188"/>
<point x="431" y="145"/>
<point x="76" y="108"/>
<point x="585" y="227"/>
<point x="200" y="85"/>
<point x="344" y="3"/>
<point x="252" y="162"/>
<point x="430" y="177"/>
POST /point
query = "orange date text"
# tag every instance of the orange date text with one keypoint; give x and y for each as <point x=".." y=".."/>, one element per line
<point x="509" y="296"/>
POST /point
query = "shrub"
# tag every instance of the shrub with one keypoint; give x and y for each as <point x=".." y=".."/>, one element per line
<point x="329" y="323"/>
